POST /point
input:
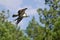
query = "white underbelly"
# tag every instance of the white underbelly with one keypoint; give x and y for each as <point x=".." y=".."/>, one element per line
<point x="24" y="15"/>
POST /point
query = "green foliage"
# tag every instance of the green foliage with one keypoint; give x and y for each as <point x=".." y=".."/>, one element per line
<point x="51" y="19"/>
<point x="8" y="31"/>
<point x="35" y="31"/>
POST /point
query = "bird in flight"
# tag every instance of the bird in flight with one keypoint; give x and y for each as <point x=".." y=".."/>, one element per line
<point x="20" y="15"/>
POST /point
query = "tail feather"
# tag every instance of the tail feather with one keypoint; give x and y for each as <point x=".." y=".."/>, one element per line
<point x="14" y="15"/>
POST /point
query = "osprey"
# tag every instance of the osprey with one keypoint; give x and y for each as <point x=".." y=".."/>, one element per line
<point x="20" y="15"/>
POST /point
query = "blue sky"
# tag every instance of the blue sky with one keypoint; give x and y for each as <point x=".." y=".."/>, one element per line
<point x="15" y="5"/>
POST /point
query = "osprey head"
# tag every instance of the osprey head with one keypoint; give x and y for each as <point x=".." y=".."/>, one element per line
<point x="25" y="8"/>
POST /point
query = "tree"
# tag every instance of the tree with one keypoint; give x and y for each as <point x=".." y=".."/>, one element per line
<point x="35" y="31"/>
<point x="8" y="31"/>
<point x="51" y="19"/>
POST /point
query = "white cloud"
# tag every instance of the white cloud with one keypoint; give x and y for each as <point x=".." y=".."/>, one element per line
<point x="11" y="4"/>
<point x="37" y="0"/>
<point x="31" y="11"/>
<point x="40" y="3"/>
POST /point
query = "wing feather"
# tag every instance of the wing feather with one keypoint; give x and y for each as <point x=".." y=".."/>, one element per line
<point x="19" y="19"/>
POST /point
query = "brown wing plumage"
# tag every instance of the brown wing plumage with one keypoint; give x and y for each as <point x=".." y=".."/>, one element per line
<point x="19" y="19"/>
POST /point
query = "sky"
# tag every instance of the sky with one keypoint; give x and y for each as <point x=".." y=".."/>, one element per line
<point x="15" y="5"/>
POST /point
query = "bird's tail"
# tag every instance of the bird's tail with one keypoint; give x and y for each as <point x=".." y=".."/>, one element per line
<point x="14" y="15"/>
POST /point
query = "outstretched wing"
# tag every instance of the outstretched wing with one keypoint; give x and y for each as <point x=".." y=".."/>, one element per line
<point x="19" y="19"/>
<point x="14" y="15"/>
